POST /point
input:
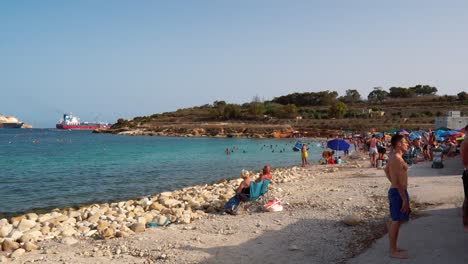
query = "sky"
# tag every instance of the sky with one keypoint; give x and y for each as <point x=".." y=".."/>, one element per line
<point x="104" y="60"/>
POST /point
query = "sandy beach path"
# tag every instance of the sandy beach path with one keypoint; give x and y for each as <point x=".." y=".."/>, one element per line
<point x="438" y="236"/>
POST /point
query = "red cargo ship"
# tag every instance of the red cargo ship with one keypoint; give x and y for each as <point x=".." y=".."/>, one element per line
<point x="73" y="123"/>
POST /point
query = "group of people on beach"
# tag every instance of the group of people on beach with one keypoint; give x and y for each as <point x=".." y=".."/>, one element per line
<point x="394" y="150"/>
<point x="397" y="173"/>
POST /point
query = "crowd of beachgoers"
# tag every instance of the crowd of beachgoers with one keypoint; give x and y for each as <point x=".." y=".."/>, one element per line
<point x="423" y="145"/>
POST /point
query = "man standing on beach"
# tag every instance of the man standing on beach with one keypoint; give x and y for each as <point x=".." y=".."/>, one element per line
<point x="373" y="150"/>
<point x="464" y="154"/>
<point x="396" y="172"/>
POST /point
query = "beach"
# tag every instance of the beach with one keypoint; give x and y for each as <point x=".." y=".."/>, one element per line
<point x="331" y="214"/>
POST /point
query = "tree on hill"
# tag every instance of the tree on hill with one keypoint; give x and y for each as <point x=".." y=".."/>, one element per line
<point x="351" y="96"/>
<point x="256" y="107"/>
<point x="289" y="111"/>
<point x="232" y="111"/>
<point x="338" y="109"/>
<point x="421" y="90"/>
<point x="401" y="92"/>
<point x="377" y="95"/>
<point x="307" y="99"/>
<point x="462" y="96"/>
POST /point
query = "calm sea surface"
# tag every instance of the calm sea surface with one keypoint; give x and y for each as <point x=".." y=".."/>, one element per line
<point x="42" y="168"/>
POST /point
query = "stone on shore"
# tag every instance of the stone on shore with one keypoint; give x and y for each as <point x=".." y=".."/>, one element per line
<point x="352" y="220"/>
<point x="9" y="245"/>
<point x="32" y="236"/>
<point x="15" y="235"/>
<point x="138" y="228"/>
<point x="5" y="230"/>
<point x="25" y="225"/>
<point x="17" y="253"/>
<point x="28" y="246"/>
<point x="70" y="241"/>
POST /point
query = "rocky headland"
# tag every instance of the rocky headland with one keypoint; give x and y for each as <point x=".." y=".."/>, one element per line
<point x="206" y="130"/>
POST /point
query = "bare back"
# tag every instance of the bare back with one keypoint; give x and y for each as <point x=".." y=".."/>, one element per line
<point x="397" y="172"/>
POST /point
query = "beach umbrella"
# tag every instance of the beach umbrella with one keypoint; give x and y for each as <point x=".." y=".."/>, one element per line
<point x="379" y="135"/>
<point x="443" y="128"/>
<point x="392" y="131"/>
<point x="403" y="132"/>
<point x="414" y="135"/>
<point x="448" y="133"/>
<point x="338" y="144"/>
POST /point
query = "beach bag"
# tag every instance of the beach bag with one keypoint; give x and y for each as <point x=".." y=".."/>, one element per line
<point x="273" y="205"/>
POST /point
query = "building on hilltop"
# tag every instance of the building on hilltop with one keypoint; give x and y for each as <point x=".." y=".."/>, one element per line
<point x="452" y="120"/>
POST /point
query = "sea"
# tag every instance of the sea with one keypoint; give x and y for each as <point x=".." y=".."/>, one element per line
<point x="50" y="168"/>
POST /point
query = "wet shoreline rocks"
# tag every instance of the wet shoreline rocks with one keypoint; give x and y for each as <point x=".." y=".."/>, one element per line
<point x="24" y="233"/>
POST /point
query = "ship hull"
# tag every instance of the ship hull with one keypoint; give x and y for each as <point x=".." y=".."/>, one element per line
<point x="11" y="125"/>
<point x="80" y="127"/>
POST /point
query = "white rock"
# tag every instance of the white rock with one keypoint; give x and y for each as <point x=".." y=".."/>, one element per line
<point x="5" y="230"/>
<point x="70" y="241"/>
<point x="352" y="220"/>
<point x="169" y="202"/>
<point x="17" y="253"/>
<point x="32" y="216"/>
<point x="31" y="236"/>
<point x="68" y="232"/>
<point x="3" y="222"/>
<point x="91" y="233"/>
<point x="15" y="235"/>
<point x="44" y="218"/>
<point x="28" y="246"/>
<point x="25" y="225"/>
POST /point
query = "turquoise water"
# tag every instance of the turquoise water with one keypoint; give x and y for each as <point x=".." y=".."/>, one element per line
<point x="42" y="168"/>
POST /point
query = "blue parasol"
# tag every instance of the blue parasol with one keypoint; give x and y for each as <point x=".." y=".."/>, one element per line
<point x="338" y="144"/>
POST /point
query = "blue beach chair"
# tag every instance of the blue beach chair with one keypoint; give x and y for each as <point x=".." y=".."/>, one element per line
<point x="257" y="190"/>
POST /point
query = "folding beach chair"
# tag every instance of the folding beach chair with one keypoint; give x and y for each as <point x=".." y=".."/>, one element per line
<point x="257" y="190"/>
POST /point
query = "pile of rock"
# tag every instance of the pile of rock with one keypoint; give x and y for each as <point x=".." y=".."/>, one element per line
<point x="122" y="219"/>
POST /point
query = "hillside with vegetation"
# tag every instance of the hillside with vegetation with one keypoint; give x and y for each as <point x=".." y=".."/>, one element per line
<point x="317" y="113"/>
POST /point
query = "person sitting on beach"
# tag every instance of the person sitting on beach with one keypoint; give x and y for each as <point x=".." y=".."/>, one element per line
<point x="266" y="175"/>
<point x="244" y="187"/>
<point x="331" y="160"/>
<point x="339" y="160"/>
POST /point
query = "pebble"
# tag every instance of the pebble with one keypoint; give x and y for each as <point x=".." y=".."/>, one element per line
<point x="17" y="253"/>
<point x="69" y="241"/>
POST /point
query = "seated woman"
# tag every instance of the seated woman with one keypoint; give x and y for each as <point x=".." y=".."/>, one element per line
<point x="266" y="175"/>
<point x="244" y="187"/>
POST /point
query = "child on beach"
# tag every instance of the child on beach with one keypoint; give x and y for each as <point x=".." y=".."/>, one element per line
<point x="304" y="155"/>
<point x="396" y="172"/>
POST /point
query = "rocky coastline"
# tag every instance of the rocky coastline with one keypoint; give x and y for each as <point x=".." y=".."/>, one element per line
<point x="123" y="219"/>
<point x="221" y="130"/>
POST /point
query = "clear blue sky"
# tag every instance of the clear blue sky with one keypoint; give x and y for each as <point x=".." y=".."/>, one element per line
<point x="111" y="59"/>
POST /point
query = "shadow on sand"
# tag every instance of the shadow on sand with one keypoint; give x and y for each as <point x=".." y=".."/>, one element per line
<point x="305" y="241"/>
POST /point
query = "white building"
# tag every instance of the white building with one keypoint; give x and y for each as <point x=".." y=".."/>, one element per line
<point x="453" y="120"/>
